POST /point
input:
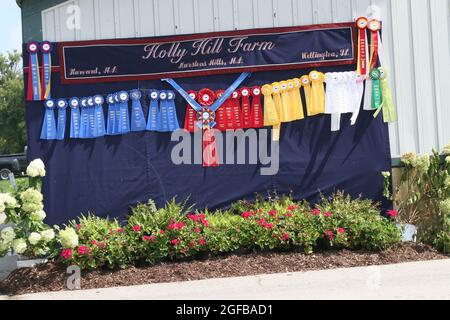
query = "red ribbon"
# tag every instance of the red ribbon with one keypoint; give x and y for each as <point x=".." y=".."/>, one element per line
<point x="189" y="121"/>
<point x="257" y="113"/>
<point x="374" y="26"/>
<point x="361" y="24"/>
<point x="246" y="110"/>
<point x="30" y="84"/>
<point x="221" y="117"/>
<point x="236" y="112"/>
<point x="206" y="98"/>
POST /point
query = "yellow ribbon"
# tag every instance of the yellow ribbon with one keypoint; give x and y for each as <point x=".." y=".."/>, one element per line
<point x="271" y="115"/>
<point x="306" y="84"/>
<point x="317" y="93"/>
<point x="294" y="86"/>
<point x="288" y="112"/>
<point x="276" y="94"/>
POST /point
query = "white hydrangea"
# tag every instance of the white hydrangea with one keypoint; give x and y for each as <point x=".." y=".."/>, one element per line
<point x="8" y="234"/>
<point x="68" y="238"/>
<point x="3" y="218"/>
<point x="7" y="200"/>
<point x="39" y="252"/>
<point x="4" y="246"/>
<point x="34" y="238"/>
<point x="36" y="169"/>
<point x="48" y="235"/>
<point x="2" y="207"/>
<point x="19" y="246"/>
<point x="38" y="215"/>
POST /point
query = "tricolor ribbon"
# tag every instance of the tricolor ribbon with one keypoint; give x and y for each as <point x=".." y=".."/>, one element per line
<point x="84" y="118"/>
<point x="271" y="116"/>
<point x="153" y="111"/>
<point x="389" y="110"/>
<point x="377" y="94"/>
<point x="46" y="49"/>
<point x="363" y="45"/>
<point x="34" y="80"/>
<point x="374" y="26"/>
<point x="189" y="121"/>
<point x="99" y="124"/>
<point x="91" y="114"/>
<point x="257" y="112"/>
<point x="49" y="130"/>
<point x="61" y="127"/>
<point x="124" y="114"/>
<point x="138" y="122"/>
<point x="296" y="98"/>
<point x="74" y="104"/>
<point x="246" y="115"/>
<point x="172" y="116"/>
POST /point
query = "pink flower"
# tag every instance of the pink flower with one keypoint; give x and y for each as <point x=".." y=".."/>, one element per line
<point x="197" y="230"/>
<point x="149" y="238"/>
<point x="316" y="212"/>
<point x="137" y="228"/>
<point x="172" y="226"/>
<point x="205" y="223"/>
<point x="247" y="214"/>
<point x="330" y="235"/>
<point x="202" y="241"/>
<point x="102" y="245"/>
<point x="162" y="232"/>
<point x="285" y="237"/>
<point x="341" y="231"/>
<point x="292" y="208"/>
<point x="392" y="213"/>
<point x="273" y="213"/>
<point x="83" y="250"/>
<point x="289" y="215"/>
<point x="260" y="211"/>
<point x="66" y="254"/>
<point x="94" y="242"/>
<point x="78" y="226"/>
<point x="120" y="230"/>
<point x="175" y="242"/>
<point x="327" y="214"/>
<point x="193" y="217"/>
<point x="268" y="226"/>
<point x="262" y="222"/>
<point x="201" y="216"/>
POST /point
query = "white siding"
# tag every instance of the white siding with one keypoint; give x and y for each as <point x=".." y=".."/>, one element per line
<point x="416" y="40"/>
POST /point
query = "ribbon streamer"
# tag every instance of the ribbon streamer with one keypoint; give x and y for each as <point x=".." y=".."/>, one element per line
<point x="389" y="110"/>
<point x="61" y="127"/>
<point x="48" y="131"/>
<point x="374" y="26"/>
<point x="137" y="114"/>
<point x="377" y="94"/>
<point x="84" y="124"/>
<point x="246" y="108"/>
<point x="90" y="133"/>
<point x="236" y="111"/>
<point x="296" y="98"/>
<point x="110" y="130"/>
<point x="271" y="116"/>
<point x="99" y="124"/>
<point x="74" y="104"/>
<point x="287" y="108"/>
<point x="124" y="115"/>
<point x="163" y="119"/>
<point x="154" y="117"/>
<point x="363" y="46"/>
<point x="306" y="84"/>
<point x="230" y="119"/>
<point x="189" y="121"/>
<point x="46" y="49"/>
<point x="172" y="117"/>
<point x="257" y="113"/>
<point x="317" y="93"/>
<point x="221" y="116"/>
<point x="34" y="80"/>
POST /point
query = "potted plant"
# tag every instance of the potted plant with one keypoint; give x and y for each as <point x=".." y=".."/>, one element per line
<point x="28" y="236"/>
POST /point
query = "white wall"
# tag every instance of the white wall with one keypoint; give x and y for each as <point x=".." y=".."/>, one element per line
<point x="416" y="38"/>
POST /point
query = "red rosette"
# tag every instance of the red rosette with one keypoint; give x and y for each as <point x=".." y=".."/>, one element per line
<point x="206" y="97"/>
<point x="246" y="110"/>
<point x="236" y="110"/>
<point x="257" y="113"/>
<point x="374" y="25"/>
<point x="221" y="117"/>
<point x="362" y="22"/>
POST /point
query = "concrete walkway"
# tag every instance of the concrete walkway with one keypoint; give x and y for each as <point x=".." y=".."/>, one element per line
<point x="421" y="280"/>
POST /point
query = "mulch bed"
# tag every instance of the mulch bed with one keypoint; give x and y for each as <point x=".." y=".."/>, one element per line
<point x="51" y="277"/>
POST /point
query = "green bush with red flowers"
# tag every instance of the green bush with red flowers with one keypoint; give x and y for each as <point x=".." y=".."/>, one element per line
<point x="175" y="232"/>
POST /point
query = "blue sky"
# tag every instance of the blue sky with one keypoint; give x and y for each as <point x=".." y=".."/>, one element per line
<point x="10" y="26"/>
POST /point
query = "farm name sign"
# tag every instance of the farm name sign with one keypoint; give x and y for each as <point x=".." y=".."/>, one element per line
<point x="207" y="54"/>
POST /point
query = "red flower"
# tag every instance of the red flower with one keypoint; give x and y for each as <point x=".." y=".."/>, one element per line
<point x="201" y="216"/>
<point x="67" y="254"/>
<point x="327" y="214"/>
<point x="102" y="245"/>
<point x="172" y="226"/>
<point x="83" y="250"/>
<point x="392" y="213"/>
<point x="78" y="226"/>
<point x="292" y="208"/>
<point x="120" y="230"/>
<point x="285" y="237"/>
<point x="175" y="242"/>
<point x="137" y="228"/>
<point x="316" y="212"/>
<point x="341" y="231"/>
<point x="193" y="217"/>
<point x="268" y="226"/>
<point x="162" y="232"/>
<point x="330" y="235"/>
<point x="202" y="241"/>
<point x="94" y="242"/>
<point x="205" y="223"/>
<point x="289" y="215"/>
<point x="273" y="213"/>
<point x="262" y="222"/>
<point x="247" y="214"/>
<point x="149" y="238"/>
<point x="197" y="230"/>
<point x="260" y="210"/>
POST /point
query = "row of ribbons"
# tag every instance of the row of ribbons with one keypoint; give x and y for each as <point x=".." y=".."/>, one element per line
<point x="39" y="78"/>
<point x="87" y="118"/>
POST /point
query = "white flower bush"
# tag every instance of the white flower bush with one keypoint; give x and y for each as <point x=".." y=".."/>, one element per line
<point x="68" y="238"/>
<point x="24" y="210"/>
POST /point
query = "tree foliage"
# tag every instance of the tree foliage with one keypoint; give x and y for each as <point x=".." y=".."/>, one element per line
<point x="12" y="104"/>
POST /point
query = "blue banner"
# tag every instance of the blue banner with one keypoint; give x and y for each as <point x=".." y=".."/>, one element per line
<point x="206" y="54"/>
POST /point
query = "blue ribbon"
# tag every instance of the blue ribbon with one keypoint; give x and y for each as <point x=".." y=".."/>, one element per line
<point x="99" y="117"/>
<point x="111" y="114"/>
<point x="219" y="102"/>
<point x="35" y="78"/>
<point x="163" y="117"/>
<point x="117" y="126"/>
<point x="153" y="111"/>
<point x="124" y="115"/>
<point x="74" y="104"/>
<point x="172" y="112"/>
<point x="91" y="114"/>
<point x="84" y="119"/>
<point x="46" y="49"/>
<point x="137" y="114"/>
<point x="49" y="126"/>
<point x="62" y="110"/>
